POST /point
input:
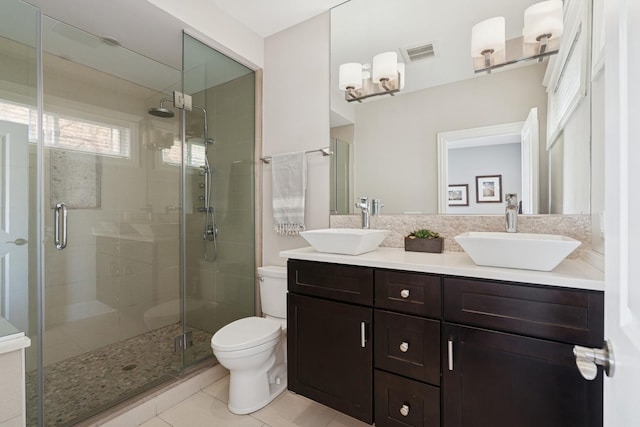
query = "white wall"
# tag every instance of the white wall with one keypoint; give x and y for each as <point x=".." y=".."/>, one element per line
<point x="576" y="160"/>
<point x="396" y="137"/>
<point x="222" y="31"/>
<point x="296" y="117"/>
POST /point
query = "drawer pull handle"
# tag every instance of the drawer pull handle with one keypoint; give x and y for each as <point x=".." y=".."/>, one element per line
<point x="404" y="293"/>
<point x="404" y="347"/>
<point x="450" y="354"/>
<point x="363" y="334"/>
<point x="404" y="411"/>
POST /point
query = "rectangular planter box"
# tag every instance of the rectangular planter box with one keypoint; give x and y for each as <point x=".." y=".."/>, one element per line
<point x="424" y="245"/>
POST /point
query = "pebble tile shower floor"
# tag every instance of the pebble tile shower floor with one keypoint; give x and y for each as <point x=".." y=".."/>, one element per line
<point x="83" y="385"/>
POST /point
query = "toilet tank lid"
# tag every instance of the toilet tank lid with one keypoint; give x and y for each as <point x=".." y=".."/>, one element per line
<point x="273" y="271"/>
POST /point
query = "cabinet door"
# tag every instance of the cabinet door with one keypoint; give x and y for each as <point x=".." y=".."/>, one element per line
<point x="330" y="354"/>
<point x="498" y="379"/>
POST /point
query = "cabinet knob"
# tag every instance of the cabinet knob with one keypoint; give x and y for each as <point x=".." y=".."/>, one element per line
<point x="404" y="346"/>
<point x="404" y="293"/>
<point x="404" y="411"/>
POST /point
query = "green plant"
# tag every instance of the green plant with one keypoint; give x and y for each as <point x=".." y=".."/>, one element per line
<point x="423" y="233"/>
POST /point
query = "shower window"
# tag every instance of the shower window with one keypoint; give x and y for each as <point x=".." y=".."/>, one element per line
<point x="72" y="133"/>
<point x="20" y="114"/>
<point x="194" y="155"/>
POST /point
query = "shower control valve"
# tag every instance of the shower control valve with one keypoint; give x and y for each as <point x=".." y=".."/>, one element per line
<point x="211" y="233"/>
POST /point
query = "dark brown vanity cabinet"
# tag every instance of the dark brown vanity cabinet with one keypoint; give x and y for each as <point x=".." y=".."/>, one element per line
<point x="507" y="352"/>
<point x="330" y="349"/>
<point x="416" y="349"/>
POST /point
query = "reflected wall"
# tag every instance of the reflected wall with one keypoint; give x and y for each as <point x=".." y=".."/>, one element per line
<point x="396" y="138"/>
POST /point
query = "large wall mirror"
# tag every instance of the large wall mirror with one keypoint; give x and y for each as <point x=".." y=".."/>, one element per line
<point x="417" y="150"/>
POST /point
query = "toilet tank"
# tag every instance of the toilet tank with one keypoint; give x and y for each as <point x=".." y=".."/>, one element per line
<point x="273" y="290"/>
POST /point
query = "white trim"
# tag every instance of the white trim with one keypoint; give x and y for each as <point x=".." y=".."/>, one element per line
<point x="447" y="138"/>
<point x="597" y="38"/>
<point x="574" y="42"/>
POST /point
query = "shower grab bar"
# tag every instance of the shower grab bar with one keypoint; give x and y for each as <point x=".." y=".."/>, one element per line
<point x="325" y="152"/>
<point x="60" y="242"/>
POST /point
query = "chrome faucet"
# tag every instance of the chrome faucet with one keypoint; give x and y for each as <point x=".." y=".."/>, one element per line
<point x="376" y="207"/>
<point x="363" y="203"/>
<point x="511" y="212"/>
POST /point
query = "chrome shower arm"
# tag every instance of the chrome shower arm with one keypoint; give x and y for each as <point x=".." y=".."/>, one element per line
<point x="206" y="127"/>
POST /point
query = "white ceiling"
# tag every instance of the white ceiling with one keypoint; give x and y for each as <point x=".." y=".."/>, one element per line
<point x="269" y="17"/>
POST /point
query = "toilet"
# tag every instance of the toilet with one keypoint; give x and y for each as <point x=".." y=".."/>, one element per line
<point x="253" y="349"/>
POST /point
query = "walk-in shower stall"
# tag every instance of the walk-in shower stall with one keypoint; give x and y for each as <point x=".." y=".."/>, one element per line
<point x="127" y="209"/>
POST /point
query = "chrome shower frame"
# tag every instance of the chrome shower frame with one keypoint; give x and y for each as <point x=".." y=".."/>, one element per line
<point x="210" y="231"/>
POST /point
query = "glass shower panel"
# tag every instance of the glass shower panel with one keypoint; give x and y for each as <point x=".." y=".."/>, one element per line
<point x="219" y="195"/>
<point x="18" y="200"/>
<point x="18" y="137"/>
<point x="111" y="252"/>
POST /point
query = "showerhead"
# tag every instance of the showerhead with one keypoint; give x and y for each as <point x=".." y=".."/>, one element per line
<point x="161" y="112"/>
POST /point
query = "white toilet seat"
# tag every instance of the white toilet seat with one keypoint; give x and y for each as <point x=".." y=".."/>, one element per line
<point x="246" y="333"/>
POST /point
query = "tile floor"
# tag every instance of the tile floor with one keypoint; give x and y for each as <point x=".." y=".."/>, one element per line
<point x="82" y="384"/>
<point x="209" y="408"/>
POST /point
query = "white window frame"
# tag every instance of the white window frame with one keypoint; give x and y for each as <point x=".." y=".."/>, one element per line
<point x="574" y="47"/>
<point x="70" y="110"/>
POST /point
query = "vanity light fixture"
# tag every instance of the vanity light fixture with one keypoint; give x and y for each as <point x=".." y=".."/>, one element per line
<point x="543" y="27"/>
<point x="361" y="81"/>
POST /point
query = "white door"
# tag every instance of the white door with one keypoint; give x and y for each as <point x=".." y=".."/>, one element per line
<point x="14" y="223"/>
<point x="529" y="146"/>
<point x="622" y="228"/>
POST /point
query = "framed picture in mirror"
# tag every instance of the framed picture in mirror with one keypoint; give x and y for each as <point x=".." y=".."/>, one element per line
<point x="459" y="195"/>
<point x="489" y="189"/>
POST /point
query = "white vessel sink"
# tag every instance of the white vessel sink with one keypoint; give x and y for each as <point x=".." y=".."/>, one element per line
<point x="527" y="251"/>
<point x="347" y="241"/>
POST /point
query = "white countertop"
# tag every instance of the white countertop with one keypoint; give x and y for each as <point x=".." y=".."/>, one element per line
<point x="571" y="273"/>
<point x="11" y="339"/>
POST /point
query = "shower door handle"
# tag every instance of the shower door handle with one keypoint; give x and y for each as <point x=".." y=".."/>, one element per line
<point x="60" y="226"/>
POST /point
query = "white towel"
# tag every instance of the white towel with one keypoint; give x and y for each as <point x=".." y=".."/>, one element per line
<point x="289" y="183"/>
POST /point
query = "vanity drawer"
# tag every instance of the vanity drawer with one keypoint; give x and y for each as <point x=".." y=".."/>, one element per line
<point x="412" y="293"/>
<point x="569" y="315"/>
<point x="407" y="345"/>
<point x="332" y="281"/>
<point x="403" y="402"/>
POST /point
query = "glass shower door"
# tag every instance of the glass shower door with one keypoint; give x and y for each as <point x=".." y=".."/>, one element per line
<point x="220" y="276"/>
<point x="111" y="250"/>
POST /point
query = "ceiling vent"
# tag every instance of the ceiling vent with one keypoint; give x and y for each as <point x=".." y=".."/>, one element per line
<point x="419" y="52"/>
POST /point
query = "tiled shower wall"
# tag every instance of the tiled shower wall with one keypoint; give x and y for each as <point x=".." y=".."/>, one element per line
<point x="449" y="226"/>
